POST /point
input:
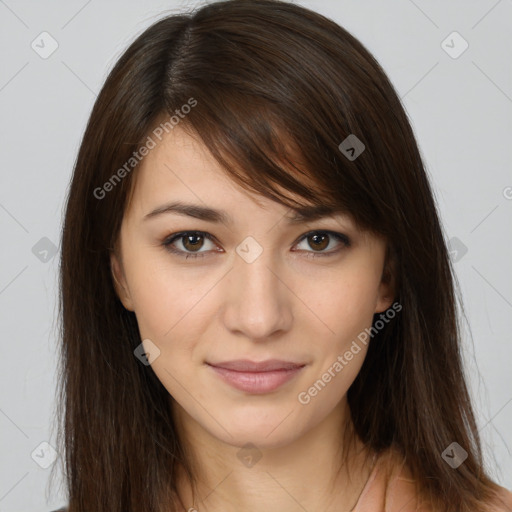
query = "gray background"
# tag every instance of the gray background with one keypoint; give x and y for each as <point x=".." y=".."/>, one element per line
<point x="461" y="111"/>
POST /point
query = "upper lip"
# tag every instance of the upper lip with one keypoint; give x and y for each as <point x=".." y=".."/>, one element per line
<point x="245" y="365"/>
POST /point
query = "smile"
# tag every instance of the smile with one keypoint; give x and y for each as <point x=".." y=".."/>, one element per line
<point x="256" y="378"/>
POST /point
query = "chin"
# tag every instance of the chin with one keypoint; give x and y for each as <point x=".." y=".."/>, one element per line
<point x="263" y="428"/>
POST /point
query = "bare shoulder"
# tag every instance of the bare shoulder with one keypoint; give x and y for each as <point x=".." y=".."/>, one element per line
<point x="504" y="501"/>
<point x="403" y="495"/>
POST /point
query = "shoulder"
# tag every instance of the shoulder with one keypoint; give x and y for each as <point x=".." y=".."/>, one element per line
<point x="504" y="500"/>
<point x="403" y="495"/>
<point x="391" y="488"/>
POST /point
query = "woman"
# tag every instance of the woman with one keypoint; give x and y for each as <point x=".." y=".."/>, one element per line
<point x="258" y="308"/>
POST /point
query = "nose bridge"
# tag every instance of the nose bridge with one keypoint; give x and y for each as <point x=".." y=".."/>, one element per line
<point x="258" y="303"/>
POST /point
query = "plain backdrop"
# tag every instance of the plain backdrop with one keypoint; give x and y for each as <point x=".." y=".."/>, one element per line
<point x="459" y="101"/>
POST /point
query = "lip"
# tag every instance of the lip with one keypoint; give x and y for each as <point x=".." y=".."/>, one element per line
<point x="256" y="377"/>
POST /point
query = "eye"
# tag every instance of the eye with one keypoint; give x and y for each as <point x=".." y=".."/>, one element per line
<point x="190" y="241"/>
<point x="321" y="240"/>
<point x="188" y="244"/>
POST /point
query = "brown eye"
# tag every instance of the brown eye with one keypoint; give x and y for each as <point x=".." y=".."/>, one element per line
<point x="189" y="244"/>
<point x="192" y="242"/>
<point x="318" y="242"/>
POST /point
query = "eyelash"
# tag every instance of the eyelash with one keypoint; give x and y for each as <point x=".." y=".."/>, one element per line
<point x="167" y="243"/>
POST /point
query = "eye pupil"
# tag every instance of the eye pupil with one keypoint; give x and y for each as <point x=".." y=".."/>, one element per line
<point x="189" y="239"/>
<point x="319" y="241"/>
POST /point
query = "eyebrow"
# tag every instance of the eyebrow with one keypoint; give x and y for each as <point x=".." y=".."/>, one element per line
<point x="300" y="215"/>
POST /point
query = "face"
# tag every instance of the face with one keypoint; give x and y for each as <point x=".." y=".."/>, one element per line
<point x="215" y="291"/>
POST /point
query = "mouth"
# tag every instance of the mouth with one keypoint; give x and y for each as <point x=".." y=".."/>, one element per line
<point x="256" y="377"/>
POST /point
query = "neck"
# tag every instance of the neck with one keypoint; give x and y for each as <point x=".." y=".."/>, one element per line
<point x="324" y="469"/>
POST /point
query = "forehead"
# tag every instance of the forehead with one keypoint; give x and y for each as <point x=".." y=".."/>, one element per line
<point x="181" y="166"/>
<point x="180" y="175"/>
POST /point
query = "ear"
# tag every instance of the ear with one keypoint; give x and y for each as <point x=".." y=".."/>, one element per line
<point x="119" y="278"/>
<point x="387" y="286"/>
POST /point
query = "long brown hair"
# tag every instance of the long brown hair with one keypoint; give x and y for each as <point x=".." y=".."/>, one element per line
<point x="274" y="84"/>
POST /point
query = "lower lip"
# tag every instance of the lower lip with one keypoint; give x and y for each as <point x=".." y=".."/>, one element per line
<point x="256" y="382"/>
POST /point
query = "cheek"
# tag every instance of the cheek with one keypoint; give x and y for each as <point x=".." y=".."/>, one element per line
<point x="167" y="306"/>
<point x="344" y="302"/>
<point x="346" y="308"/>
<point x="164" y="297"/>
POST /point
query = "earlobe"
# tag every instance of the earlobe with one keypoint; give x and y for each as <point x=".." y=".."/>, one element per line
<point x="120" y="282"/>
<point x="384" y="301"/>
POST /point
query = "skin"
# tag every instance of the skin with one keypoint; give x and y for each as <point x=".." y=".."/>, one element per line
<point x="286" y="304"/>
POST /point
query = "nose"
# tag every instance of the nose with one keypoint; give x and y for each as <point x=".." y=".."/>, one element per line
<point x="257" y="302"/>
